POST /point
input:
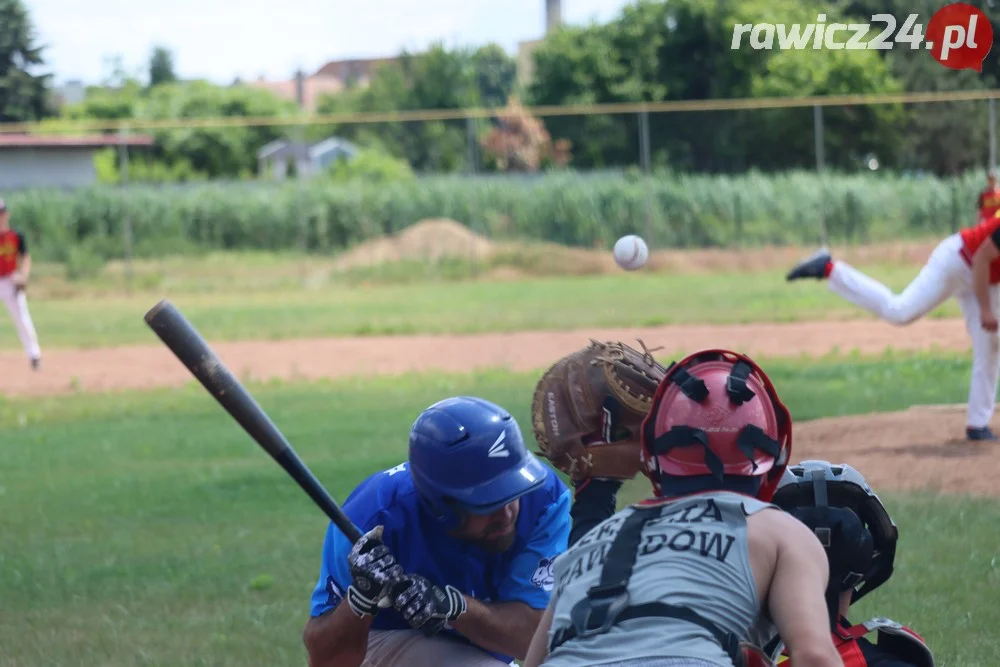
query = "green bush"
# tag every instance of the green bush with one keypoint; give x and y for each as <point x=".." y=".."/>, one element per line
<point x="373" y="166"/>
<point x="326" y="215"/>
<point x="143" y="170"/>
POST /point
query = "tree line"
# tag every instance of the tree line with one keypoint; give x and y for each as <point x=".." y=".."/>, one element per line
<point x="652" y="51"/>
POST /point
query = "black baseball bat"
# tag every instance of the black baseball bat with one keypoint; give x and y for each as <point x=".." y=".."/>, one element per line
<point x="178" y="334"/>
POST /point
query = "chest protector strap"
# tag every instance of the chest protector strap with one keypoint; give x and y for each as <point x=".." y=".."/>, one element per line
<point x="894" y="638"/>
<point x="607" y="603"/>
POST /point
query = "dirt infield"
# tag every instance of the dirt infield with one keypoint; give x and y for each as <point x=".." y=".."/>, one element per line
<point x="148" y="366"/>
<point x="916" y="449"/>
<point x="921" y="449"/>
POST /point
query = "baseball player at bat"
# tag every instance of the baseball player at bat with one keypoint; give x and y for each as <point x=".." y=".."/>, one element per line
<point x="454" y="567"/>
<point x="859" y="536"/>
<point x="948" y="273"/>
<point x="690" y="577"/>
<point x="15" y="270"/>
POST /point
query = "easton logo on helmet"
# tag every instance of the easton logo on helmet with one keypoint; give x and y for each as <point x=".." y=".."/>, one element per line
<point x="497" y="449"/>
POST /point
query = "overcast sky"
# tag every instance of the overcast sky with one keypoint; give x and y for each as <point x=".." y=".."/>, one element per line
<point x="222" y="39"/>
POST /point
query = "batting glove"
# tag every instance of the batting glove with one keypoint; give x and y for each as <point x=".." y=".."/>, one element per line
<point x="373" y="570"/>
<point x="425" y="606"/>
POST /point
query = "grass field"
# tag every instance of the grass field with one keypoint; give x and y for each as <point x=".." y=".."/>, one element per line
<point x="148" y="529"/>
<point x="253" y="297"/>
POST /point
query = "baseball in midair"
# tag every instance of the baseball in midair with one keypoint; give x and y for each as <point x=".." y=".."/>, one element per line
<point x="631" y="252"/>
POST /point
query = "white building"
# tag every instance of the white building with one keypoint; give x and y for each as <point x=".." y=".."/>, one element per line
<point x="38" y="161"/>
<point x="275" y="158"/>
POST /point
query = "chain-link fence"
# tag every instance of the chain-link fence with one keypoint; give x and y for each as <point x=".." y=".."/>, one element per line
<point x="682" y="176"/>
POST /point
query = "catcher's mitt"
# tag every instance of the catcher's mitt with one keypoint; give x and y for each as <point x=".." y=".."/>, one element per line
<point x="588" y="408"/>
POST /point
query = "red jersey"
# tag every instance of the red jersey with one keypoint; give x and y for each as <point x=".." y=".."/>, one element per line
<point x="973" y="237"/>
<point x="989" y="202"/>
<point x="12" y="246"/>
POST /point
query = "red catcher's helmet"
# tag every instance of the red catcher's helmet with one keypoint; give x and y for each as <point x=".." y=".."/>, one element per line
<point x="716" y="413"/>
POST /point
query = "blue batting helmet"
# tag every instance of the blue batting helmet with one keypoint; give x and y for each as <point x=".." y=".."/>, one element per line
<point x="467" y="454"/>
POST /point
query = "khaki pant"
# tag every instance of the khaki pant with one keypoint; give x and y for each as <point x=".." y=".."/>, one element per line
<point x="410" y="648"/>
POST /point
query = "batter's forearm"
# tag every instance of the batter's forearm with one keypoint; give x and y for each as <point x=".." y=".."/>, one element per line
<point x="337" y="639"/>
<point x="504" y="627"/>
<point x="26" y="266"/>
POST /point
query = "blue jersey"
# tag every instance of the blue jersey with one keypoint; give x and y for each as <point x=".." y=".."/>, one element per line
<point x="522" y="573"/>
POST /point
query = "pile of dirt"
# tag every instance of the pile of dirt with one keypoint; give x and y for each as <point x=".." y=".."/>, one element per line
<point x="920" y="449"/>
<point x="431" y="239"/>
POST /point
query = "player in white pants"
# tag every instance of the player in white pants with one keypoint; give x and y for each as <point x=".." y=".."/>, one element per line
<point x="947" y="273"/>
<point x="15" y="268"/>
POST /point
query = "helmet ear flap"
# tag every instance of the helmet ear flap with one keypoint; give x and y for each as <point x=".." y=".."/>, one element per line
<point x="866" y="549"/>
<point x="850" y="547"/>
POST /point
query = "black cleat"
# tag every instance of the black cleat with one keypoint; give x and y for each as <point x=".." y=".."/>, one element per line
<point x="36" y="364"/>
<point x="983" y="433"/>
<point x="814" y="266"/>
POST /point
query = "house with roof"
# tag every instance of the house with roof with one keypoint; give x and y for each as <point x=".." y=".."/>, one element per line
<point x="277" y="158"/>
<point x="306" y="91"/>
<point x="353" y="72"/>
<point x="330" y="79"/>
<point x="56" y="161"/>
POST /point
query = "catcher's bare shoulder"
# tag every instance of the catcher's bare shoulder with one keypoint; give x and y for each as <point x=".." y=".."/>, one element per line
<point x="859" y="539"/>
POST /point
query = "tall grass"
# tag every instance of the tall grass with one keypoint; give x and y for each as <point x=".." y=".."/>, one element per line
<point x="679" y="211"/>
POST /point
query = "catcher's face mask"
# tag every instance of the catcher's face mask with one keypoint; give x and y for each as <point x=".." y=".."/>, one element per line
<point x="861" y="558"/>
<point x="716" y="415"/>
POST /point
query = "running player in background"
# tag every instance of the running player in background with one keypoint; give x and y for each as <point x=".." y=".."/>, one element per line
<point x="15" y="270"/>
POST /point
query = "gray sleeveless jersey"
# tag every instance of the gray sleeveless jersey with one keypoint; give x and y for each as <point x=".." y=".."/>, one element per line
<point x="693" y="555"/>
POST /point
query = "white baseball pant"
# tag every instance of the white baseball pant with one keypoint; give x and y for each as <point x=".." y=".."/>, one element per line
<point x="410" y="648"/>
<point x="17" y="303"/>
<point x="946" y="274"/>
